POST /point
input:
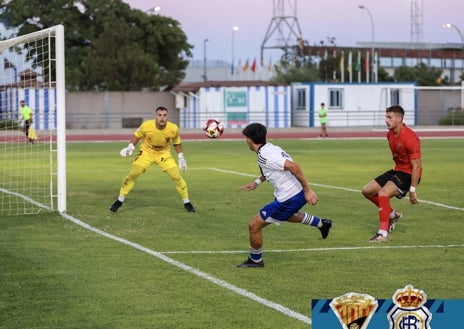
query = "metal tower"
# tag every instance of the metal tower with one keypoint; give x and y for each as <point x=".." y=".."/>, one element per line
<point x="284" y="31"/>
<point x="417" y="21"/>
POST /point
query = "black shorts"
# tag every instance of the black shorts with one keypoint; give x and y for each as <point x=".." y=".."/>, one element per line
<point x="401" y="179"/>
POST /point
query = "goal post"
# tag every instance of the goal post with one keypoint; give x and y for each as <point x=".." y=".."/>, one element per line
<point x="33" y="148"/>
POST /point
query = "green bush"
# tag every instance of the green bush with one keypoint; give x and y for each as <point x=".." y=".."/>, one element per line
<point x="455" y="117"/>
<point x="8" y="125"/>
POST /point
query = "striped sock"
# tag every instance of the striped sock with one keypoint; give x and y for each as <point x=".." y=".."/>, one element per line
<point x="256" y="255"/>
<point x="310" y="220"/>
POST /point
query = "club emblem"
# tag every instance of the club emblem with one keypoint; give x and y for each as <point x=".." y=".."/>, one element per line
<point x="353" y="310"/>
<point x="409" y="310"/>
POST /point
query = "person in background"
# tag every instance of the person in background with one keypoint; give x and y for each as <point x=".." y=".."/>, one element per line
<point x="26" y="114"/>
<point x="291" y="193"/>
<point x="156" y="136"/>
<point x="403" y="178"/>
<point x="323" y="120"/>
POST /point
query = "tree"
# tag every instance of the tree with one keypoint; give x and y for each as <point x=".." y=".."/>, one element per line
<point x="383" y="76"/>
<point x="422" y="74"/>
<point x="287" y="73"/>
<point x="109" y="46"/>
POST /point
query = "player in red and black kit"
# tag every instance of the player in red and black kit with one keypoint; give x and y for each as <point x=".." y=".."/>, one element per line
<point x="405" y="176"/>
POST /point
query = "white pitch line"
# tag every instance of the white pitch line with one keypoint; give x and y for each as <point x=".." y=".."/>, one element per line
<point x="26" y="198"/>
<point x="337" y="188"/>
<point x="197" y="272"/>
<point x="376" y="247"/>
<point x="227" y="285"/>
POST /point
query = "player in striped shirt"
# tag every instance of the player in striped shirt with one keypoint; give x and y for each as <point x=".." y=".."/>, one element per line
<point x="291" y="192"/>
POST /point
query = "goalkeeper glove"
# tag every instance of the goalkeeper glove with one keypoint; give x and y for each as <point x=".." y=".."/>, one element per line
<point x="182" y="162"/>
<point x="127" y="151"/>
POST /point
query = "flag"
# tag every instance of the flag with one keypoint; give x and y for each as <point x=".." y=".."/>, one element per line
<point x="7" y="64"/>
<point x="350" y="66"/>
<point x="253" y="66"/>
<point x="342" y="67"/>
<point x="350" y="61"/>
<point x="358" y="66"/>
<point x="358" y="62"/>
<point x="246" y="66"/>
<point x="366" y="66"/>
<point x="239" y="67"/>
<point x="32" y="134"/>
<point x="375" y="68"/>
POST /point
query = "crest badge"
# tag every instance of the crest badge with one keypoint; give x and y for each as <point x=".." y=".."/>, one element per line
<point x="409" y="310"/>
<point x="354" y="310"/>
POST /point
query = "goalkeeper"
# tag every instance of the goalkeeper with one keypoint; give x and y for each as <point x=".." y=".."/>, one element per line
<point x="156" y="136"/>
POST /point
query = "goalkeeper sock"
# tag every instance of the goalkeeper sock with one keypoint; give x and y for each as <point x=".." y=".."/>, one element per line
<point x="311" y="220"/>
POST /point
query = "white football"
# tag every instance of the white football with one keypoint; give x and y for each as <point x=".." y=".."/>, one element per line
<point x="213" y="128"/>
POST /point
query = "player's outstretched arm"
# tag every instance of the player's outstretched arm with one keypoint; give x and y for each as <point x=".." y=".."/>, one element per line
<point x="253" y="185"/>
<point x="127" y="151"/>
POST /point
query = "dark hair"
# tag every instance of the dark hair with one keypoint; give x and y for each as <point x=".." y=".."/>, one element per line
<point x="396" y="109"/>
<point x="161" y="108"/>
<point x="322" y="104"/>
<point x="256" y="132"/>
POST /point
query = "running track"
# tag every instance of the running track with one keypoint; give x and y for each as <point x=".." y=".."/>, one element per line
<point x="235" y="134"/>
<point x="275" y="134"/>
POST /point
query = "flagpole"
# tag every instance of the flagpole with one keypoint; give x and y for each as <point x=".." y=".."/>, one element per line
<point x="232" y="71"/>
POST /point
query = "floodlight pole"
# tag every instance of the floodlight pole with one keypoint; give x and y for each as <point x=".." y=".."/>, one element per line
<point x="205" y="78"/>
<point x="232" y="71"/>
<point x="373" y="38"/>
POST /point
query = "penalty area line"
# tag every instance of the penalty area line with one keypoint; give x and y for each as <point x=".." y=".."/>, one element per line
<point x="240" y="291"/>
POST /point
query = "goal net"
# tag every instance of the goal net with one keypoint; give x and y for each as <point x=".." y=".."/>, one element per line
<point x="32" y="146"/>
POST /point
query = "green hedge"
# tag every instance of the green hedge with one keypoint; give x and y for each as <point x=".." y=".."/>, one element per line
<point x="8" y="125"/>
<point x="455" y="117"/>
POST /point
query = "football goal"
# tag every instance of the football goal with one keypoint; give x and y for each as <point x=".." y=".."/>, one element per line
<point x="33" y="123"/>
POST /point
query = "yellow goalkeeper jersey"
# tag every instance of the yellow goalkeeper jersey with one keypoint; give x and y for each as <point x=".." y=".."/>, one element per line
<point x="156" y="141"/>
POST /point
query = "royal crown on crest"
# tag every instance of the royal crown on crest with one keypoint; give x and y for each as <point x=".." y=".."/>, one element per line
<point x="409" y="297"/>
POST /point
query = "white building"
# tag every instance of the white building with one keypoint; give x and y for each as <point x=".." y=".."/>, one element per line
<point x="238" y="103"/>
<point x="351" y="104"/>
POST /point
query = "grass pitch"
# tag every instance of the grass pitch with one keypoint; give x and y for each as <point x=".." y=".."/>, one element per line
<point x="153" y="265"/>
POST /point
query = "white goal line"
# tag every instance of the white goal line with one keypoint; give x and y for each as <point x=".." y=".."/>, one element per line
<point x="26" y="198"/>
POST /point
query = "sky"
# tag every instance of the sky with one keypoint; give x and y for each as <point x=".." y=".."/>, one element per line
<point x="317" y="19"/>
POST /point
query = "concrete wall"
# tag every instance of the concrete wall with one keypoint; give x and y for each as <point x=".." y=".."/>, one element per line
<point x="434" y="104"/>
<point x="113" y="110"/>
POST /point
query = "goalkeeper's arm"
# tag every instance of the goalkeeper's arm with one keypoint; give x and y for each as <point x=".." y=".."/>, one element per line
<point x="127" y="151"/>
<point x="180" y="157"/>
